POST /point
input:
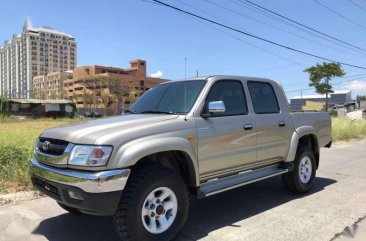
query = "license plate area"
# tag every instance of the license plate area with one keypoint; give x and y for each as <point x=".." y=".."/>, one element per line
<point x="46" y="186"/>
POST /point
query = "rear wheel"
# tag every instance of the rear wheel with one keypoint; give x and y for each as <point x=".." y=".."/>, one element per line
<point x="154" y="206"/>
<point x="301" y="178"/>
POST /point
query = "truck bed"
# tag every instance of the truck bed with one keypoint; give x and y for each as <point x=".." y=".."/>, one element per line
<point x="320" y="121"/>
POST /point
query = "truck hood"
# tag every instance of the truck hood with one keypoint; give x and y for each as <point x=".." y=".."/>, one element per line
<point x="88" y="132"/>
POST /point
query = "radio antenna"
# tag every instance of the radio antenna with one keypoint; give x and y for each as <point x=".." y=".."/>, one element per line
<point x="185" y="88"/>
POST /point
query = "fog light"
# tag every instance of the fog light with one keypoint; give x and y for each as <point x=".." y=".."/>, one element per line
<point x="75" y="195"/>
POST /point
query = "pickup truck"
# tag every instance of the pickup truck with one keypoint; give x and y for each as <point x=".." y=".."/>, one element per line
<point x="195" y="137"/>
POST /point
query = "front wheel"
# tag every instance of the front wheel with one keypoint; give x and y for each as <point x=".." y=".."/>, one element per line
<point x="301" y="178"/>
<point x="154" y="206"/>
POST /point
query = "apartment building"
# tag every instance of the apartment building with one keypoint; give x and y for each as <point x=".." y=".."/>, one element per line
<point x="36" y="51"/>
<point x="50" y="86"/>
<point x="132" y="77"/>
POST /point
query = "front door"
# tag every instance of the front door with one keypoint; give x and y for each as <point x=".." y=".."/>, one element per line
<point x="223" y="143"/>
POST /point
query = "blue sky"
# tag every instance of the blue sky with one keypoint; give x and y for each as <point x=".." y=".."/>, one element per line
<point x="113" y="32"/>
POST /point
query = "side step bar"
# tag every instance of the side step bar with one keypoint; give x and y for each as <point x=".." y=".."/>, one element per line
<point x="212" y="187"/>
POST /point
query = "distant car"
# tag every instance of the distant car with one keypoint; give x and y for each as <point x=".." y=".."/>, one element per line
<point x="338" y="106"/>
<point x="94" y="114"/>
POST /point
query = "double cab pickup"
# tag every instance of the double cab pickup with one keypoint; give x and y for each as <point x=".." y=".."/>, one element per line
<point x="195" y="137"/>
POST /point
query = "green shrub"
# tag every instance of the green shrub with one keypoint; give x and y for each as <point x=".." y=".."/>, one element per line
<point x="344" y="129"/>
<point x="4" y="107"/>
<point x="14" y="165"/>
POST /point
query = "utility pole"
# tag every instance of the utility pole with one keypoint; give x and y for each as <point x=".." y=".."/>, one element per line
<point x="185" y="67"/>
<point x="326" y="96"/>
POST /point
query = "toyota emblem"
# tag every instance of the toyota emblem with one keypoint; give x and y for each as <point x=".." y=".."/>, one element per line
<point x="46" y="145"/>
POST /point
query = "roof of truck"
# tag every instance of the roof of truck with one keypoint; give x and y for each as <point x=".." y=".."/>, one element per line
<point x="229" y="77"/>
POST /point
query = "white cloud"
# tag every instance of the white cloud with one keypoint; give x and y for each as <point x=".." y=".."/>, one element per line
<point x="357" y="87"/>
<point x="157" y="74"/>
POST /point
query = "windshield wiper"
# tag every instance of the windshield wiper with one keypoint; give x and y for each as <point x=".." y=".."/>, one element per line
<point x="157" y="112"/>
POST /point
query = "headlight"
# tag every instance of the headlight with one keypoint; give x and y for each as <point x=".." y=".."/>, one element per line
<point x="92" y="156"/>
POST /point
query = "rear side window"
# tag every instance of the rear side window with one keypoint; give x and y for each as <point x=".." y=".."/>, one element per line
<point x="231" y="92"/>
<point x="263" y="97"/>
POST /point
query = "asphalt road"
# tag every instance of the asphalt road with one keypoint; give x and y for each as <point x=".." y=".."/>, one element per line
<point x="260" y="211"/>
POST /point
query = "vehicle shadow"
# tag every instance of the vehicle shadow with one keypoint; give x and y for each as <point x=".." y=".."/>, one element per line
<point x="206" y="215"/>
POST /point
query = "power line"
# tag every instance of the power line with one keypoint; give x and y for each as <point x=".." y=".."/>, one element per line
<point x="341" y="82"/>
<point x="255" y="36"/>
<point x="296" y="26"/>
<point x="357" y="5"/>
<point x="239" y="39"/>
<point x="275" y="27"/>
<point x="302" y="25"/>
<point x="255" y="46"/>
<point x="339" y="14"/>
<point x="349" y="76"/>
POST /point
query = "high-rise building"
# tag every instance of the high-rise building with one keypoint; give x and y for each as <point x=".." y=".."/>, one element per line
<point x="36" y="51"/>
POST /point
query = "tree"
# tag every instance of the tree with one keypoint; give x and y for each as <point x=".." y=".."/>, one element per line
<point x="360" y="98"/>
<point x="108" y="90"/>
<point x="43" y="95"/>
<point x="107" y="99"/>
<point x="64" y="94"/>
<point x="320" y="76"/>
<point x="86" y="95"/>
<point x="134" y="93"/>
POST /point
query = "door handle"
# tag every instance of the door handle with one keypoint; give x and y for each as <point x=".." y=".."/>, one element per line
<point x="248" y="126"/>
<point x="281" y="124"/>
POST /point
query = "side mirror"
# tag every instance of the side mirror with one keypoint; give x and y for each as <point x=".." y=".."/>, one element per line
<point x="214" y="107"/>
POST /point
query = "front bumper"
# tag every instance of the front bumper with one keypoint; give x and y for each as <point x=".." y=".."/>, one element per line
<point x="100" y="191"/>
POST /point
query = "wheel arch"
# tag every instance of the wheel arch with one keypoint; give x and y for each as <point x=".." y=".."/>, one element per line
<point x="304" y="136"/>
<point x="175" y="153"/>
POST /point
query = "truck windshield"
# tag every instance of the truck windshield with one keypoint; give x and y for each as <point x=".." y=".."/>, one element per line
<point x="169" y="98"/>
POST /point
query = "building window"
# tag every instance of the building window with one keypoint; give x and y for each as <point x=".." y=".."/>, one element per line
<point x="142" y="83"/>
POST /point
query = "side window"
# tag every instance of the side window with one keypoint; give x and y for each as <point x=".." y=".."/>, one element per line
<point x="231" y="92"/>
<point x="263" y="97"/>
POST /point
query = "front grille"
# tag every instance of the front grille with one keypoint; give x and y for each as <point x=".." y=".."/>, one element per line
<point x="52" y="146"/>
<point x="46" y="186"/>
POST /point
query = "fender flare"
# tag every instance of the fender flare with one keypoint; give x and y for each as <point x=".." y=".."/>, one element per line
<point x="296" y="136"/>
<point x="134" y="151"/>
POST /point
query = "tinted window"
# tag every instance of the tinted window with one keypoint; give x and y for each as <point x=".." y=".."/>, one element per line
<point x="232" y="94"/>
<point x="263" y="98"/>
<point x="174" y="97"/>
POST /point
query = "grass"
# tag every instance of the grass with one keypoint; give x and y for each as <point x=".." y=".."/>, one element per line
<point x="17" y="138"/>
<point x="345" y="129"/>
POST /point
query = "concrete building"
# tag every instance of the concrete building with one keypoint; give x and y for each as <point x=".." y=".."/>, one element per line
<point x="339" y="97"/>
<point x="50" y="86"/>
<point x="36" y="51"/>
<point x="132" y="77"/>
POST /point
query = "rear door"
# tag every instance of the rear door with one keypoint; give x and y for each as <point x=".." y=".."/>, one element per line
<point x="273" y="125"/>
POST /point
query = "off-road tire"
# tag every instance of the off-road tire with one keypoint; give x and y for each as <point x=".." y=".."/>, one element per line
<point x="127" y="219"/>
<point x="292" y="180"/>
<point x="69" y="209"/>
